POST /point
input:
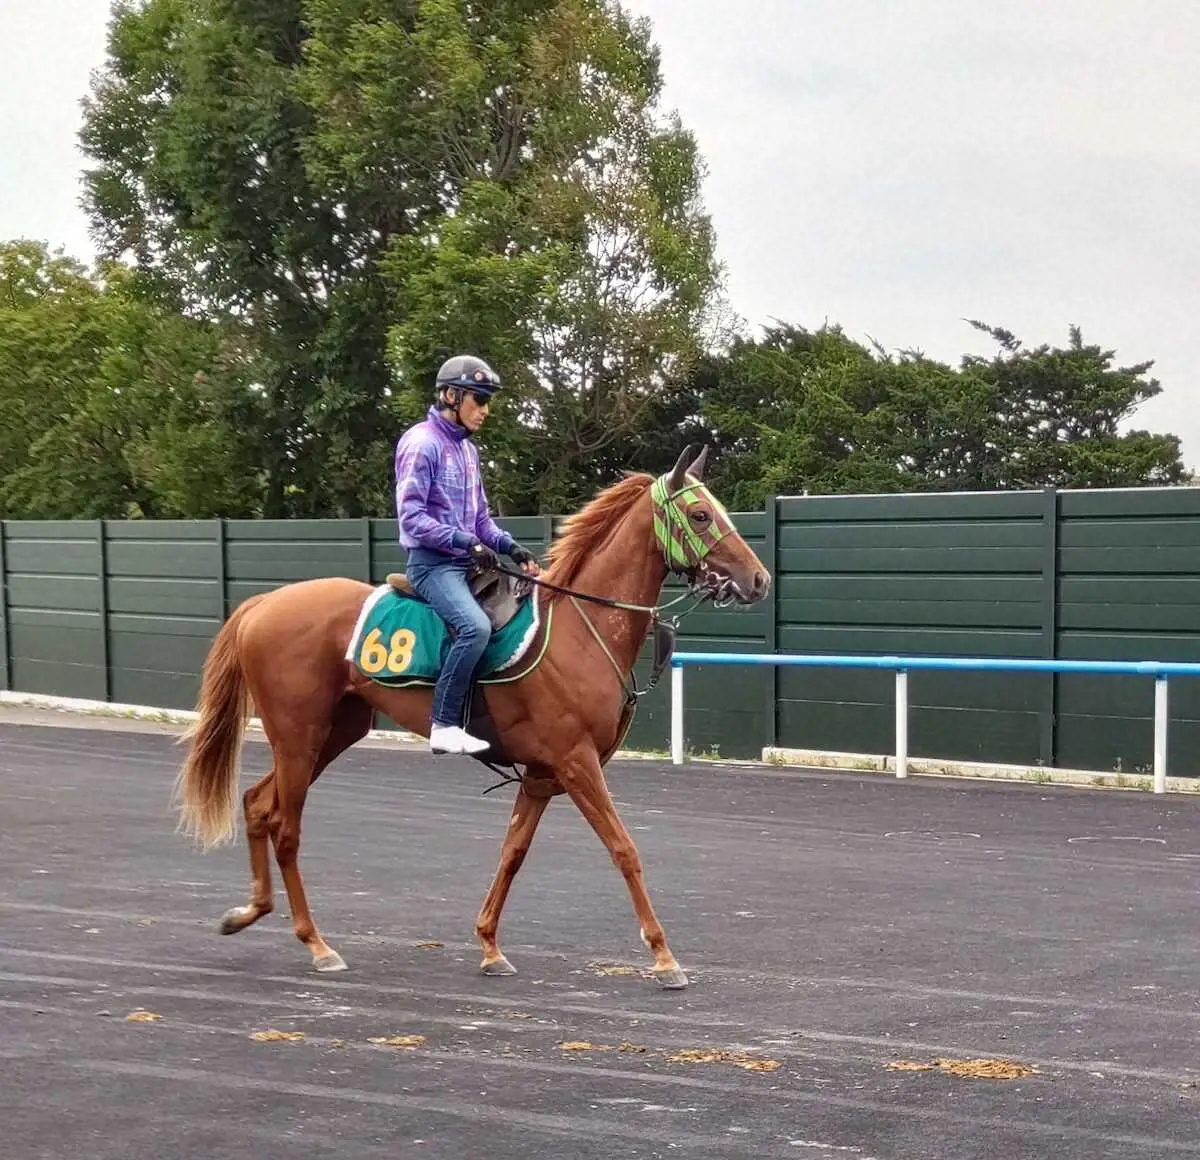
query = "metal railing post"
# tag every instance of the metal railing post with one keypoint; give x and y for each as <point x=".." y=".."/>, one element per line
<point x="1161" y="718"/>
<point x="677" y="714"/>
<point x="902" y="723"/>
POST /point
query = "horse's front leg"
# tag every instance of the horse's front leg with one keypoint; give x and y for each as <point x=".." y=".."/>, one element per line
<point x="527" y="812"/>
<point x="583" y="779"/>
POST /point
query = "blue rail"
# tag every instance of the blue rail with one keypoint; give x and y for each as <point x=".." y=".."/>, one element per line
<point x="975" y="664"/>
<point x="901" y="666"/>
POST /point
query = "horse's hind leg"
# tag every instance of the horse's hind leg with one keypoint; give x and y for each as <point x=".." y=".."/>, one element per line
<point x="257" y="804"/>
<point x="295" y="770"/>
<point x="527" y="812"/>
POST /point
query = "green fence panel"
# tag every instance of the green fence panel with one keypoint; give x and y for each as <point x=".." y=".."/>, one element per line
<point x="5" y="666"/>
<point x="956" y="575"/>
<point x="165" y="605"/>
<point x="126" y="610"/>
<point x="1129" y="589"/>
<point x="56" y="638"/>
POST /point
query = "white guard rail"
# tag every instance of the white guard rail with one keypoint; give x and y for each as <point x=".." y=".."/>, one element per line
<point x="901" y="666"/>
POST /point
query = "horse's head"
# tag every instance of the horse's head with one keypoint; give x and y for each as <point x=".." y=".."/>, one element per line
<point x="699" y="539"/>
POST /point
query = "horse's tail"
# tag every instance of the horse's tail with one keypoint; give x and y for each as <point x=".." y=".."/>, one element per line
<point x="206" y="788"/>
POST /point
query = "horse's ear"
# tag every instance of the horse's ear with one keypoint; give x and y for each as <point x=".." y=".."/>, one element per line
<point x="699" y="464"/>
<point x="679" y="471"/>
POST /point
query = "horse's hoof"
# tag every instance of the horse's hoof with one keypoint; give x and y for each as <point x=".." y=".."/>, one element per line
<point x="500" y="966"/>
<point x="235" y="919"/>
<point x="330" y="962"/>
<point x="672" y="979"/>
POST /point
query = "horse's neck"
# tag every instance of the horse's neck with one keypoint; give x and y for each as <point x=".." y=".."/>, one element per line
<point x="629" y="568"/>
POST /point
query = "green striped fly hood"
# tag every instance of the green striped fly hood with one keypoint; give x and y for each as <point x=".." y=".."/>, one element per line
<point x="689" y="521"/>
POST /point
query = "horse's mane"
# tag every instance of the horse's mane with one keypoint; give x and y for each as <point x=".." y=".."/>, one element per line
<point x="583" y="532"/>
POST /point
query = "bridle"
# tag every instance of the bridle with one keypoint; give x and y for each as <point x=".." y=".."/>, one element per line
<point x="685" y="543"/>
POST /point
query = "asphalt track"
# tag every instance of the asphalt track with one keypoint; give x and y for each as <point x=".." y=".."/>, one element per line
<point x="831" y="923"/>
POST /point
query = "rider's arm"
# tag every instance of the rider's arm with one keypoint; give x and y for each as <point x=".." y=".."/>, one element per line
<point x="487" y="531"/>
<point x="490" y="532"/>
<point x="415" y="467"/>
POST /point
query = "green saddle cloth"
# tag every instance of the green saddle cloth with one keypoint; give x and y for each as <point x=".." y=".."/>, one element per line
<point x="399" y="640"/>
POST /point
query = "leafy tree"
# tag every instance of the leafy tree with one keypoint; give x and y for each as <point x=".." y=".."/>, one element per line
<point x="1058" y="413"/>
<point x="577" y="257"/>
<point x="493" y="178"/>
<point x="801" y="411"/>
<point x="111" y="406"/>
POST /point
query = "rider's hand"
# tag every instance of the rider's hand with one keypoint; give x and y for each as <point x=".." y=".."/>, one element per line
<point x="483" y="556"/>
<point x="527" y="561"/>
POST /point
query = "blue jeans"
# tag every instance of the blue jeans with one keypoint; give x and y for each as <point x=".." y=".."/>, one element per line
<point x="444" y="587"/>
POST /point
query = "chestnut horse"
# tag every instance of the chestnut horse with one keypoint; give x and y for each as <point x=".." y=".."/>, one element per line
<point x="284" y="652"/>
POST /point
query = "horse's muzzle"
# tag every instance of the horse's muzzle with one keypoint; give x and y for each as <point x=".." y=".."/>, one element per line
<point x="725" y="588"/>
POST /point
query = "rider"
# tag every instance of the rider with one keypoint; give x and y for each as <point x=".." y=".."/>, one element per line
<point x="446" y="527"/>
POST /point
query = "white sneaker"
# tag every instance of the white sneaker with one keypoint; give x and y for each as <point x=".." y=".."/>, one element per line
<point x="452" y="739"/>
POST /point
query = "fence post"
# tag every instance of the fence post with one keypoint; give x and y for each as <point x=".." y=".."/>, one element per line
<point x="222" y="595"/>
<point x="1048" y="723"/>
<point x="5" y="663"/>
<point x="902" y="723"/>
<point x="368" y="552"/>
<point x="677" y="714"/>
<point x="102" y="550"/>
<point x="771" y="632"/>
<point x="1161" y="719"/>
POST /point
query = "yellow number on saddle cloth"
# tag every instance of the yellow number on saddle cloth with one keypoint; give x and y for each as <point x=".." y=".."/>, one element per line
<point x="373" y="657"/>
<point x="402" y="642"/>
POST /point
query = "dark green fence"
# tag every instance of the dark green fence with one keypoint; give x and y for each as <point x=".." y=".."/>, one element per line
<point x="125" y="611"/>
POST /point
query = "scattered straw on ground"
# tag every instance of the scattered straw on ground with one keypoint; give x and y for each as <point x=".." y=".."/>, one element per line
<point x="273" y="1036"/>
<point x="142" y="1017"/>
<point x="587" y="1045"/>
<point x="409" y="1041"/>
<point x="740" y="1059"/>
<point x="985" y="1068"/>
<point x="428" y="945"/>
<point x="716" y="1055"/>
<point x="969" y="1068"/>
<point x="608" y="969"/>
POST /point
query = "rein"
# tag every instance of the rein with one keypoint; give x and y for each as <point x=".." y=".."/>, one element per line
<point x="652" y="609"/>
<point x="664" y="628"/>
<point x="683" y="550"/>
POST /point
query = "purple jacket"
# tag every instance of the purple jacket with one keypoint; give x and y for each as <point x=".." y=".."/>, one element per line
<point x="440" y="501"/>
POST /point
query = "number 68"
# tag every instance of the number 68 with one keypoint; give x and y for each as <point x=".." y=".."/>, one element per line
<point x="374" y="657"/>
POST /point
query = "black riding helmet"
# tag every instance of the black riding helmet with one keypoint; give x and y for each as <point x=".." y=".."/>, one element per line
<point x="468" y="373"/>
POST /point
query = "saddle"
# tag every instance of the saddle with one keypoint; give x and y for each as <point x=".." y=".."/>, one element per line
<point x="499" y="593"/>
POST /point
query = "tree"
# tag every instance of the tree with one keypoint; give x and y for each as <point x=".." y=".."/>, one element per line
<point x="1058" y="415"/>
<point x="112" y="407"/>
<point x="575" y="256"/>
<point x="815" y="412"/>
<point x="493" y="178"/>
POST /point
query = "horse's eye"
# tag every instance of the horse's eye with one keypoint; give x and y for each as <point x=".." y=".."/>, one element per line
<point x="701" y="517"/>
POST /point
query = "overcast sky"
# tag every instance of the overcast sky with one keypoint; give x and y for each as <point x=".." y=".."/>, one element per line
<point x="895" y="166"/>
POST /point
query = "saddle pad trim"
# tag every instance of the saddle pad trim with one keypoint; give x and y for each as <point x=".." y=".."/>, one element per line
<point x="536" y="660"/>
<point x="363" y="613"/>
<point x="384" y="589"/>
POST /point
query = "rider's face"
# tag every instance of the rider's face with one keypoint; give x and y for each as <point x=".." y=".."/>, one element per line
<point x="473" y="409"/>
